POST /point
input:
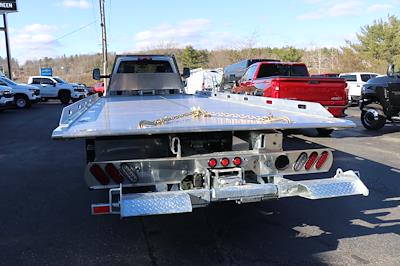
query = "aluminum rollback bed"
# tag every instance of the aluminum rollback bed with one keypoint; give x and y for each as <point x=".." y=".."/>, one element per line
<point x="229" y="153"/>
<point x="121" y="116"/>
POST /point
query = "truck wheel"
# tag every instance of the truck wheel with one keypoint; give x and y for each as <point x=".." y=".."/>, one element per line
<point x="324" y="132"/>
<point x="372" y="117"/>
<point x="65" y="97"/>
<point x="22" y="102"/>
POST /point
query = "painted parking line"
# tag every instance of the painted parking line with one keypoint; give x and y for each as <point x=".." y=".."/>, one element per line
<point x="359" y="158"/>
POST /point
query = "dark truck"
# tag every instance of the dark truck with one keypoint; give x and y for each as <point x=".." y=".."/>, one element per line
<point x="234" y="72"/>
<point x="292" y="81"/>
<point x="380" y="100"/>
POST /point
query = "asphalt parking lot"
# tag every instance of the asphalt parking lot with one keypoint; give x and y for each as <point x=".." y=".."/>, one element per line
<point x="45" y="215"/>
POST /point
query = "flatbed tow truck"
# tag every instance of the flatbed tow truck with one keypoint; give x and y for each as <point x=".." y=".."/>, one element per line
<point x="158" y="151"/>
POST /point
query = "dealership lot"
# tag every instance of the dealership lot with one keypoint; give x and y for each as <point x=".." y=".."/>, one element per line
<point x="46" y="220"/>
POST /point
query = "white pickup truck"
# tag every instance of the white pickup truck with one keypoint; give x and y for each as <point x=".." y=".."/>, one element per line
<point x="56" y="88"/>
<point x="6" y="98"/>
<point x="354" y="82"/>
<point x="155" y="150"/>
<point x="24" y="95"/>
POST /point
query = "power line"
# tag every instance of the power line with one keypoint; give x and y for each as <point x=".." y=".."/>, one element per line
<point x="72" y="32"/>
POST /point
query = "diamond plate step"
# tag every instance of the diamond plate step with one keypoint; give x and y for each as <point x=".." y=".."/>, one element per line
<point x="155" y="203"/>
<point x="343" y="184"/>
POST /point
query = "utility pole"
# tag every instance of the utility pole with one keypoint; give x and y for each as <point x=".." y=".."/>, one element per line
<point x="104" y="41"/>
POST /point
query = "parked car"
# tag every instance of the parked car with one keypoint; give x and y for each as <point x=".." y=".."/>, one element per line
<point x="234" y="72"/>
<point x="56" y="88"/>
<point x="355" y="81"/>
<point x="291" y="81"/>
<point x="380" y="100"/>
<point x="24" y="95"/>
<point x="98" y="88"/>
<point x="6" y="98"/>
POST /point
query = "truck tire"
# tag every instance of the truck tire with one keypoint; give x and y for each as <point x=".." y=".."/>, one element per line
<point x="372" y="117"/>
<point x="324" y="132"/>
<point x="65" y="97"/>
<point x="22" y="101"/>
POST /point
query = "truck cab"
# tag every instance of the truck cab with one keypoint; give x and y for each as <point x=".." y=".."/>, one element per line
<point x="57" y="88"/>
<point x="24" y="95"/>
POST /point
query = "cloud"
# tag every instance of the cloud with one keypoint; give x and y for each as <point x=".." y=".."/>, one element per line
<point x="196" y="32"/>
<point x="379" y="8"/>
<point x="329" y="9"/>
<point x="346" y="8"/>
<point x="33" y="41"/>
<point x="82" y="4"/>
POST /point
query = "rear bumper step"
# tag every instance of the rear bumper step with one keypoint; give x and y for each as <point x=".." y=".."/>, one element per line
<point x="154" y="203"/>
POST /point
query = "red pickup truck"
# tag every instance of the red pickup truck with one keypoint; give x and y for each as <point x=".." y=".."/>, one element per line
<point x="292" y="81"/>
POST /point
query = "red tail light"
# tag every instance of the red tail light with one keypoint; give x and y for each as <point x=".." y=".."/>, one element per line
<point x="101" y="209"/>
<point x="224" y="162"/>
<point x="212" y="163"/>
<point x="99" y="174"/>
<point x="114" y="173"/>
<point x="311" y="160"/>
<point x="237" y="161"/>
<point x="322" y="159"/>
<point x="275" y="89"/>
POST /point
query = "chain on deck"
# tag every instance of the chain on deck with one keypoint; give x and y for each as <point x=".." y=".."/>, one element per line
<point x="197" y="112"/>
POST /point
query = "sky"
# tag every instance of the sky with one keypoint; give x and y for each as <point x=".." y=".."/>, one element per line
<point x="56" y="27"/>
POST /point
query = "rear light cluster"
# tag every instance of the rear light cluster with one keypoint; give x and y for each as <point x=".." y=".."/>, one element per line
<point x="275" y="93"/>
<point x="224" y="162"/>
<point x="308" y="161"/>
<point x="103" y="176"/>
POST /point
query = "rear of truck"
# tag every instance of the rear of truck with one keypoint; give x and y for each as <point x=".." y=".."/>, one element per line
<point x="292" y="81"/>
<point x="329" y="92"/>
<point x="157" y="151"/>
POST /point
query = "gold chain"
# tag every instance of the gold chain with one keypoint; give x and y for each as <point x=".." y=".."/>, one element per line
<point x="197" y="112"/>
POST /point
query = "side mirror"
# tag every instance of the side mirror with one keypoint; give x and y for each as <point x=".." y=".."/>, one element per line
<point x="96" y="74"/>
<point x="232" y="78"/>
<point x="54" y="84"/>
<point x="390" y="70"/>
<point x="236" y="83"/>
<point x="186" y="72"/>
